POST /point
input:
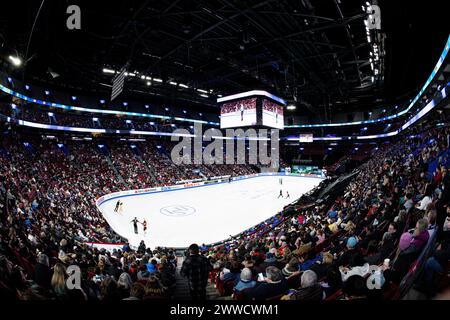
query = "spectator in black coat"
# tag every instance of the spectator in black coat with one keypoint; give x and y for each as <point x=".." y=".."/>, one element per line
<point x="196" y="268"/>
<point x="406" y="255"/>
<point x="352" y="256"/>
<point x="310" y="289"/>
<point x="42" y="273"/>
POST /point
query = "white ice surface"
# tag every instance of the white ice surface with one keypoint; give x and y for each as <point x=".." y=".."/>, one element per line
<point x="221" y="210"/>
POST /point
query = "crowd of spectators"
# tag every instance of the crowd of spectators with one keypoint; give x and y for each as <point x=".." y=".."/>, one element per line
<point x="389" y="213"/>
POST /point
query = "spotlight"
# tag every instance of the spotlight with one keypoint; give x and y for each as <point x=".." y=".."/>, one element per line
<point x="16" y="61"/>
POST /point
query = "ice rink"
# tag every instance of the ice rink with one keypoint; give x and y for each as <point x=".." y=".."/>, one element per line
<point x="205" y="214"/>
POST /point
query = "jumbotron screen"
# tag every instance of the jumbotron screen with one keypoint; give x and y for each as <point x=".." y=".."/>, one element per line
<point x="239" y="113"/>
<point x="306" y="137"/>
<point x="272" y="114"/>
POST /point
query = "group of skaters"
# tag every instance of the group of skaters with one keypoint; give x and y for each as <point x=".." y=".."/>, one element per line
<point x="280" y="181"/>
<point x="135" y="222"/>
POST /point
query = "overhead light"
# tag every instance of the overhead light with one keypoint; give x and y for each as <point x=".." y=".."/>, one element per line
<point x="74" y="98"/>
<point x="16" y="61"/>
<point x="167" y="109"/>
<point x="291" y="107"/>
<point x="27" y="87"/>
<point x="157" y="80"/>
<point x="149" y="83"/>
<point x="52" y="73"/>
<point x="147" y="106"/>
<point x="125" y="104"/>
<point x="102" y="101"/>
<point x="173" y="83"/>
<point x="106" y="70"/>
<point x="47" y="92"/>
<point x="201" y="90"/>
<point x="183" y="85"/>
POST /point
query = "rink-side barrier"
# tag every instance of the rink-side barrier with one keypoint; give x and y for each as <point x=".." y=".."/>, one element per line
<point x="107" y="246"/>
<point x="101" y="200"/>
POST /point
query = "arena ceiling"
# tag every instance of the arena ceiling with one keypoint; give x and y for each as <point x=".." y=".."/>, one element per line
<point x="314" y="53"/>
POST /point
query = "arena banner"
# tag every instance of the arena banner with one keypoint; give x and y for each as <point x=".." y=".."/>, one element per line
<point x="188" y="181"/>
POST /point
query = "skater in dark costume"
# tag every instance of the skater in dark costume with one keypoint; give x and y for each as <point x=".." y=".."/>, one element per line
<point x="281" y="194"/>
<point x="117" y="206"/>
<point x="135" y="222"/>
<point x="287" y="195"/>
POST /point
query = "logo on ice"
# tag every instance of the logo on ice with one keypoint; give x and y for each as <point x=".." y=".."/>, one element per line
<point x="236" y="147"/>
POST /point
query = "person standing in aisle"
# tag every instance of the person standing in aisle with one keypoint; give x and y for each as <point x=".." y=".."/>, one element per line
<point x="196" y="268"/>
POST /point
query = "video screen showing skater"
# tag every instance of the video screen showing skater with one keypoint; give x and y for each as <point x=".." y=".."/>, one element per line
<point x="272" y="114"/>
<point x="238" y="113"/>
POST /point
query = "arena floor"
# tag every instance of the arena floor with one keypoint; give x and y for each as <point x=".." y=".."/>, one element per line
<point x="204" y="214"/>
